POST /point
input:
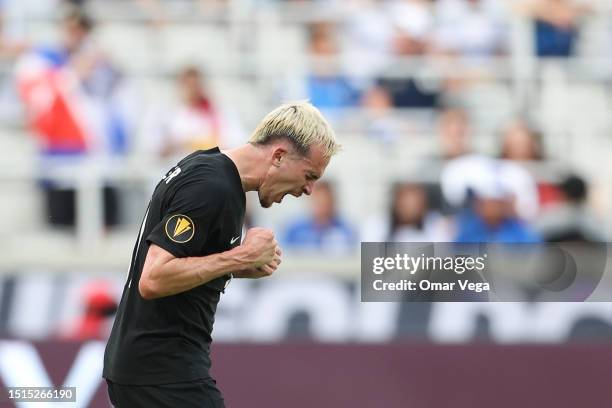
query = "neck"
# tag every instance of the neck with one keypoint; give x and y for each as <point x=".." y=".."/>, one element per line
<point x="248" y="159"/>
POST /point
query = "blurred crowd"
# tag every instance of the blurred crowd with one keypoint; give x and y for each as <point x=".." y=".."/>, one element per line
<point x="478" y="198"/>
<point x="379" y="40"/>
<point x="376" y="58"/>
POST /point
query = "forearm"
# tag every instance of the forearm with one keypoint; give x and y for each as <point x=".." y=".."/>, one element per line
<point x="177" y="275"/>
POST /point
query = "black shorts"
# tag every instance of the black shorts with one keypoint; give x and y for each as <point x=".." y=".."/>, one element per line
<point x="194" y="394"/>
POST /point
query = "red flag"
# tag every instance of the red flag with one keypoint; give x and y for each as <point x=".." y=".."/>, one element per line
<point x="49" y="96"/>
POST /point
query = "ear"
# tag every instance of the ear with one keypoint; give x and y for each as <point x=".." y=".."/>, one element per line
<point x="279" y="154"/>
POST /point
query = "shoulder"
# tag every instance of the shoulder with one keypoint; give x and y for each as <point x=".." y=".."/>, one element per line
<point x="205" y="177"/>
<point x="209" y="189"/>
<point x="199" y="193"/>
<point x="206" y="171"/>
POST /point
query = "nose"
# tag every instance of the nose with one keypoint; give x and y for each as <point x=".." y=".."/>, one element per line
<point x="307" y="189"/>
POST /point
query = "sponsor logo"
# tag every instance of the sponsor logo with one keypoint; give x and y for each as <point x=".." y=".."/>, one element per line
<point x="180" y="228"/>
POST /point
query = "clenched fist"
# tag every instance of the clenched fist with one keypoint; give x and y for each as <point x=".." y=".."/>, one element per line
<point x="260" y="246"/>
<point x="262" y="253"/>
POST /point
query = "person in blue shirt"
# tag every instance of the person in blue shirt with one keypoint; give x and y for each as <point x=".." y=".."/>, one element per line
<point x="557" y="26"/>
<point x="324" y="230"/>
<point x="326" y="86"/>
<point x="86" y="117"/>
<point x="490" y="217"/>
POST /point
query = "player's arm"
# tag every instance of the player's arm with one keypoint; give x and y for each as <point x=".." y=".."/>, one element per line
<point x="163" y="274"/>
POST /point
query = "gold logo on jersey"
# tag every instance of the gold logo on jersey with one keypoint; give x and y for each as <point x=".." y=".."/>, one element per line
<point x="180" y="228"/>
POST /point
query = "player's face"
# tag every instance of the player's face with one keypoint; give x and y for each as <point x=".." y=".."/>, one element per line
<point x="293" y="175"/>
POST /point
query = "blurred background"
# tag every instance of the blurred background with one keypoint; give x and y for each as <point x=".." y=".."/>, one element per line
<point x="461" y="120"/>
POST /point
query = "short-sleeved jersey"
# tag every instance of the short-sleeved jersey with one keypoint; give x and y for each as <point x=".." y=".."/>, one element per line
<point x="197" y="209"/>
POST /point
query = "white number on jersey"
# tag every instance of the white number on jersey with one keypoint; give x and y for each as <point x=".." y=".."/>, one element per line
<point x="172" y="174"/>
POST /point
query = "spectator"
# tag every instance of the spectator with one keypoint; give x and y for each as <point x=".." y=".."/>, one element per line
<point x="556" y="26"/>
<point x="82" y="114"/>
<point x="378" y="29"/>
<point x="408" y="79"/>
<point x="471" y="28"/>
<point x="369" y="33"/>
<point x="324" y="230"/>
<point x="326" y="87"/>
<point x="410" y="89"/>
<point x="571" y="220"/>
<point x="408" y="220"/>
<point x="522" y="144"/>
<point x="460" y="176"/>
<point x="463" y="174"/>
<point x="413" y="19"/>
<point x="490" y="215"/>
<point x="453" y="133"/>
<point x="197" y="122"/>
<point x="380" y="122"/>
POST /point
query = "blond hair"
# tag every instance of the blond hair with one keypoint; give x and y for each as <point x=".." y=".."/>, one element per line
<point x="300" y="123"/>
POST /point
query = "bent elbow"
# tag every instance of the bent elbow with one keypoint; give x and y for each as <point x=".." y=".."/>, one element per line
<point x="147" y="290"/>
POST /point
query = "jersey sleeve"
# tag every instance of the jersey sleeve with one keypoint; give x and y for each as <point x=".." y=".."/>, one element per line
<point x="190" y="220"/>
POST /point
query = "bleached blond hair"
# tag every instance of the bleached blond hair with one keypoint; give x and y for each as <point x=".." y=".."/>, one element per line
<point x="302" y="124"/>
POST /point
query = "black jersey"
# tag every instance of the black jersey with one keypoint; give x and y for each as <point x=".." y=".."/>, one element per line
<point x="197" y="209"/>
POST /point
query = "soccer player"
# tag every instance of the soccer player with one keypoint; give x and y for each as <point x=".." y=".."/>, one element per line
<point x="189" y="248"/>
